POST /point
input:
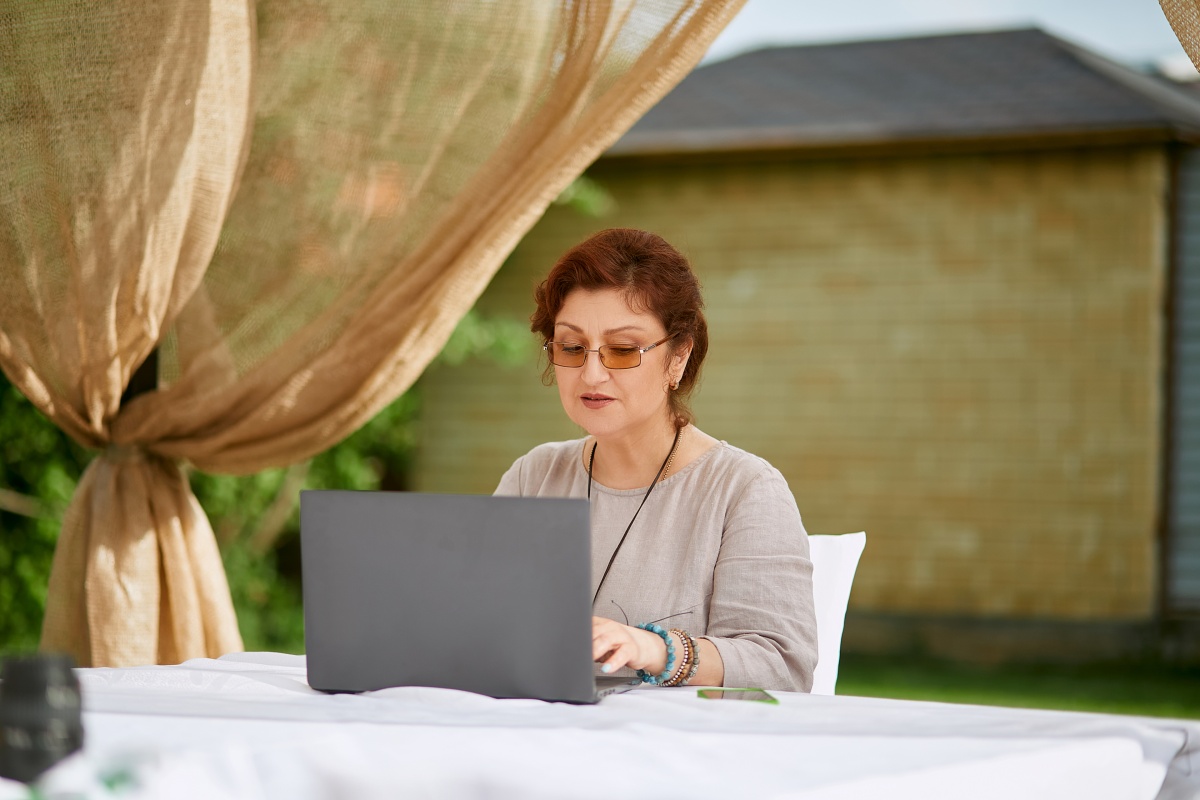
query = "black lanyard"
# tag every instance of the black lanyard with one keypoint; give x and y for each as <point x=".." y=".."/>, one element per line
<point x="645" y="497"/>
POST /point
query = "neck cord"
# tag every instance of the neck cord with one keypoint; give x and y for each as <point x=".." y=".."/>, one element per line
<point x="645" y="497"/>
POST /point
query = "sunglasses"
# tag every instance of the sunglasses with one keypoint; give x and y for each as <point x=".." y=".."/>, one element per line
<point x="612" y="356"/>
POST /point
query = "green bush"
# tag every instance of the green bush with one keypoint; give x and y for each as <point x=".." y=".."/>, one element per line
<point x="39" y="467"/>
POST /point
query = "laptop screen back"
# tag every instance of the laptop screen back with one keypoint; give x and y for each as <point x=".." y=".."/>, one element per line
<point x="485" y="594"/>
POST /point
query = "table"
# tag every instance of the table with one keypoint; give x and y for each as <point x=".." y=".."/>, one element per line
<point x="248" y="726"/>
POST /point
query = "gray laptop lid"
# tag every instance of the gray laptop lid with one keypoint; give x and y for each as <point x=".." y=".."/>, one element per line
<point x="486" y="594"/>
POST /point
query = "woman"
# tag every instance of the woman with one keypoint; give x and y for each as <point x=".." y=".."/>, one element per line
<point x="687" y="531"/>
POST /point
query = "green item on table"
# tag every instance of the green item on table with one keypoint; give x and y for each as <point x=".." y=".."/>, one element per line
<point x="755" y="695"/>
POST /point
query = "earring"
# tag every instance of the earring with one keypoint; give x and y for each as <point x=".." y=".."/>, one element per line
<point x="674" y="384"/>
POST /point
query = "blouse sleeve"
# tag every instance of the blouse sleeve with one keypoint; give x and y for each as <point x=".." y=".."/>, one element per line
<point x="762" y="618"/>
<point x="510" y="481"/>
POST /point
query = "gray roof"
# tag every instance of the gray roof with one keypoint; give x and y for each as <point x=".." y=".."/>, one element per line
<point x="995" y="86"/>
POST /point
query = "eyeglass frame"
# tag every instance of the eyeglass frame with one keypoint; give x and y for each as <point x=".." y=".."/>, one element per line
<point x="641" y="352"/>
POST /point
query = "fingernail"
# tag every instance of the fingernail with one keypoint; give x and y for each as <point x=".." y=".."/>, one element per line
<point x="606" y="668"/>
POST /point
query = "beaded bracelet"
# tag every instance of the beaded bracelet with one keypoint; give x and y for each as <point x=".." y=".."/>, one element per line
<point x="691" y="659"/>
<point x="684" y="661"/>
<point x="670" y="668"/>
<point x="695" y="660"/>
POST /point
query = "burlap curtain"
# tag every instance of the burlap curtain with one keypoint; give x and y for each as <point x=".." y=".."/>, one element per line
<point x="1184" y="16"/>
<point x="291" y="204"/>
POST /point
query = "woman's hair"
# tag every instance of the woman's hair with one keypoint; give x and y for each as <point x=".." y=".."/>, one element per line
<point x="653" y="276"/>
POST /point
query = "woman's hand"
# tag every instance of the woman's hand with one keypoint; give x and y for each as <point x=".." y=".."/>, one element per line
<point x="615" y="645"/>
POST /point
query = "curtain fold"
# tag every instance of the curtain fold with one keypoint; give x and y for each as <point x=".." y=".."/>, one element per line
<point x="293" y="204"/>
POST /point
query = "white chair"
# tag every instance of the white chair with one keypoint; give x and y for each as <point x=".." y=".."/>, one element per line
<point x="835" y="558"/>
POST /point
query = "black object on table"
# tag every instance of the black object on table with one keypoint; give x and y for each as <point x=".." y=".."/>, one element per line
<point x="40" y="714"/>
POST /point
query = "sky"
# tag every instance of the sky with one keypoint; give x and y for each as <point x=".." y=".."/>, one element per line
<point x="1132" y="31"/>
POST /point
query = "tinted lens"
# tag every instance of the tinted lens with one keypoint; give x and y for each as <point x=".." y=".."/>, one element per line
<point x="618" y="356"/>
<point x="567" y="354"/>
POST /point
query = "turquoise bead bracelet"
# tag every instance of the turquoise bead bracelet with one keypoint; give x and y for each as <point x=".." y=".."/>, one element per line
<point x="657" y="680"/>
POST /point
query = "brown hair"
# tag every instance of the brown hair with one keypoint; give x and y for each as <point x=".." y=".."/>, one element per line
<point x="653" y="276"/>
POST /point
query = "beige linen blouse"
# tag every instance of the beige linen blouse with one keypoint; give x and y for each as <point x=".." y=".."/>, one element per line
<point x="718" y="550"/>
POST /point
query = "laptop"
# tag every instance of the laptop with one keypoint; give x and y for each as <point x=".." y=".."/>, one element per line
<point x="473" y="592"/>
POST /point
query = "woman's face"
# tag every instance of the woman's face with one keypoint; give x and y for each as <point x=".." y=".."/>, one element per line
<point x="615" y="402"/>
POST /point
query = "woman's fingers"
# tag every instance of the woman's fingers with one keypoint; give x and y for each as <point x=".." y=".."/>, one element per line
<point x="614" y="659"/>
<point x="612" y="647"/>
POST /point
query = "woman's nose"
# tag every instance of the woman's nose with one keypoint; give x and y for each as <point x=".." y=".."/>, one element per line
<point x="594" y="370"/>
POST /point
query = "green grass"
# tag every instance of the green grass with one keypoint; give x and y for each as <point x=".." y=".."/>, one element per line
<point x="1157" y="690"/>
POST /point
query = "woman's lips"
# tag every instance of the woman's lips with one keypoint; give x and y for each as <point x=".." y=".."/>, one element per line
<point x="596" y="400"/>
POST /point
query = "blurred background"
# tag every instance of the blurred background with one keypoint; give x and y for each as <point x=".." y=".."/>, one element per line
<point x="950" y="254"/>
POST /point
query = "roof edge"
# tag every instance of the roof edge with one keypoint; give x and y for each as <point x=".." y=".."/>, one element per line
<point x="1173" y="101"/>
<point x="735" y="143"/>
<point x="915" y="36"/>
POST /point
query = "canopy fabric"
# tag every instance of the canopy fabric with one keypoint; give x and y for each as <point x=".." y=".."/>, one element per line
<point x="1184" y="16"/>
<point x="290" y="205"/>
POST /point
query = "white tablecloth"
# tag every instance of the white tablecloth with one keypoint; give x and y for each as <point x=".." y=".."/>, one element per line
<point x="248" y="726"/>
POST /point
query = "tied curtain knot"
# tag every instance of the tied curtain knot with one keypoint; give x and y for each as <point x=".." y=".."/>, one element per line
<point x="125" y="453"/>
<point x="137" y="576"/>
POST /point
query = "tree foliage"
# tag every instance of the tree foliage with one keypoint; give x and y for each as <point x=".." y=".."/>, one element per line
<point x="39" y="467"/>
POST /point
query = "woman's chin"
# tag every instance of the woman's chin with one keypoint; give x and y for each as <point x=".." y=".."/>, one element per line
<point x="596" y="423"/>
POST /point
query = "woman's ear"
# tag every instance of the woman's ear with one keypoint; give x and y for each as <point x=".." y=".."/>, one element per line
<point x="679" y="360"/>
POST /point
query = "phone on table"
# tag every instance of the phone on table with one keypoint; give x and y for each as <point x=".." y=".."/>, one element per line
<point x="754" y="695"/>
